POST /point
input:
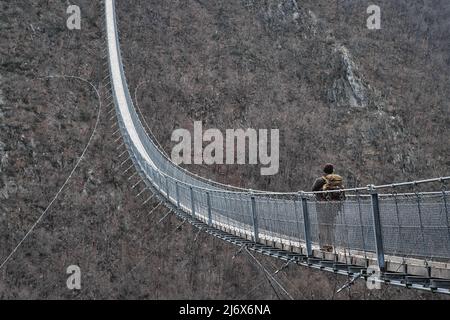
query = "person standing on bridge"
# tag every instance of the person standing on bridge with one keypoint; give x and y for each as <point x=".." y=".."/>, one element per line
<point x="328" y="206"/>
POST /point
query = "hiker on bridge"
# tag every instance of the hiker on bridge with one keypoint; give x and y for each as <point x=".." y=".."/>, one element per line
<point x="328" y="206"/>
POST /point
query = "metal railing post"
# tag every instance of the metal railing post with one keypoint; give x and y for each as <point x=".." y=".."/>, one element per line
<point x="150" y="173"/>
<point x="192" y="202"/>
<point x="160" y="182"/>
<point x="297" y="204"/>
<point x="167" y="187"/>
<point x="377" y="228"/>
<point x="154" y="178"/>
<point x="145" y="168"/>
<point x="444" y="198"/>
<point x="177" y="191"/>
<point x="306" y="223"/>
<point x="208" y="202"/>
<point x="255" y="219"/>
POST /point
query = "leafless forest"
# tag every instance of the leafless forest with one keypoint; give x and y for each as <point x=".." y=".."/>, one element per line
<point x="374" y="102"/>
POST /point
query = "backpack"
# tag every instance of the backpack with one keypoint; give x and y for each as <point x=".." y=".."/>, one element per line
<point x="333" y="182"/>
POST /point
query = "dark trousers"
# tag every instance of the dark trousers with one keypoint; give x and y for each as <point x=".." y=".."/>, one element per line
<point x="327" y="212"/>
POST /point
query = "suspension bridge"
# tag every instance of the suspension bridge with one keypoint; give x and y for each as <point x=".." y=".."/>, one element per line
<point x="402" y="228"/>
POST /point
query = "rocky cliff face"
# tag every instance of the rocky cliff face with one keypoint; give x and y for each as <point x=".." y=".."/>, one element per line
<point x="337" y="92"/>
<point x="348" y="90"/>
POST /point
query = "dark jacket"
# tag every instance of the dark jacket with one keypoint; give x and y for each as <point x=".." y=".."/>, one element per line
<point x="317" y="186"/>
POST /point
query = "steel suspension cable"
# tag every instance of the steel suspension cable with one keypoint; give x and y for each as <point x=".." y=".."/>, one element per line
<point x="41" y="216"/>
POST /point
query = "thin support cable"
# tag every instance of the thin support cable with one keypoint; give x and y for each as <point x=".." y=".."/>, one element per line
<point x="444" y="199"/>
<point x="154" y="208"/>
<point x="257" y="286"/>
<point x="165" y="216"/>
<point x="141" y="192"/>
<point x="268" y="273"/>
<point x="5" y="261"/>
<point x="282" y="271"/>
<point x="150" y="198"/>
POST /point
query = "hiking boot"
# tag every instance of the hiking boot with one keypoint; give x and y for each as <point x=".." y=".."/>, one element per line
<point x="327" y="248"/>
